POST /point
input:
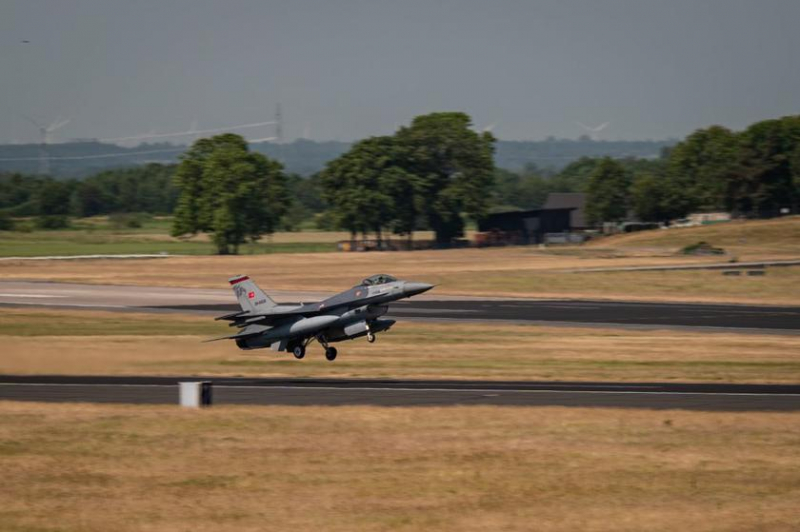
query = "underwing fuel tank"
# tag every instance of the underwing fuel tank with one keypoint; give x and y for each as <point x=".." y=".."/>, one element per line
<point x="301" y="327"/>
<point x="367" y="312"/>
<point x="358" y="329"/>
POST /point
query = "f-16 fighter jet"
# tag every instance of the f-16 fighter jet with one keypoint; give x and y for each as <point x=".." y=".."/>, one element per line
<point x="351" y="314"/>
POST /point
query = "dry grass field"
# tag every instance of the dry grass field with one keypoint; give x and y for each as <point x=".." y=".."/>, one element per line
<point x="95" y="468"/>
<point x="742" y="238"/>
<point x="515" y="272"/>
<point x="100" y="343"/>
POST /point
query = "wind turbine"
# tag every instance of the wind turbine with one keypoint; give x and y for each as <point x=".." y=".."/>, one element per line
<point x="45" y="136"/>
<point x="594" y="131"/>
<point x="485" y="129"/>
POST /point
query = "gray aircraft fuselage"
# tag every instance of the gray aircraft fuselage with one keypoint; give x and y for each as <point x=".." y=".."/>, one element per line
<point x="350" y="314"/>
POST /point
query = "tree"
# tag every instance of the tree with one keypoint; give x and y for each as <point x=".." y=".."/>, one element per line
<point x="527" y="190"/>
<point x="575" y="176"/>
<point x="764" y="180"/>
<point x="607" y="193"/>
<point x="354" y="185"/>
<point x="307" y="201"/>
<point x="454" y="169"/>
<point x="658" y="199"/>
<point x="404" y="188"/>
<point x="229" y="191"/>
<point x="87" y="200"/>
<point x="52" y="198"/>
<point x="702" y="164"/>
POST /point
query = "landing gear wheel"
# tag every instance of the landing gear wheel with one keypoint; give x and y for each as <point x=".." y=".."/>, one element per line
<point x="371" y="338"/>
<point x="299" y="351"/>
<point x="330" y="353"/>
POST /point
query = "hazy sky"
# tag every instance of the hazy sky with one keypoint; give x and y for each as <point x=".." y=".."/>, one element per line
<point x="346" y="69"/>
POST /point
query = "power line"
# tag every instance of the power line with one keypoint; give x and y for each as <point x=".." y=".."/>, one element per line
<point x="99" y="156"/>
<point x="116" y="154"/>
<point x="189" y="132"/>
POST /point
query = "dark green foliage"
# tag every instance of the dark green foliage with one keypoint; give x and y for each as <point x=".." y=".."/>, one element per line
<point x="659" y="199"/>
<point x="454" y="168"/>
<point x="229" y="191"/>
<point x="765" y="179"/>
<point x="143" y="189"/>
<point x="527" y="190"/>
<point x="360" y="185"/>
<point x="127" y="220"/>
<point x="52" y="221"/>
<point x="607" y="192"/>
<point x="436" y="169"/>
<point x="575" y="176"/>
<point x="18" y="194"/>
<point x="702" y="248"/>
<point x="6" y="223"/>
<point x="752" y="173"/>
<point x="52" y="198"/>
<point x="702" y="163"/>
<point x="307" y="201"/>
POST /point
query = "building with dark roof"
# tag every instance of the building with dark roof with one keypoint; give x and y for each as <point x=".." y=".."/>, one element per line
<point x="522" y="227"/>
<point x="570" y="200"/>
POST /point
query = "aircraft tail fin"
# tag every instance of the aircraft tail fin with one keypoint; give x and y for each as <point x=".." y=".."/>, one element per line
<point x="251" y="298"/>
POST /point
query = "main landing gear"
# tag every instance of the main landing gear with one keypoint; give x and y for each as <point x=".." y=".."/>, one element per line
<point x="330" y="352"/>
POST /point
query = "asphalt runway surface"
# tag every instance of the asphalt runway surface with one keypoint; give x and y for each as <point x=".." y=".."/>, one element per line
<point x="405" y="393"/>
<point x="428" y="307"/>
<point x="433" y="307"/>
<point x="581" y="312"/>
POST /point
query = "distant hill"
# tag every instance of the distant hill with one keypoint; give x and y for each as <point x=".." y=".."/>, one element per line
<point x="558" y="153"/>
<point x="304" y="157"/>
<point x="82" y="159"/>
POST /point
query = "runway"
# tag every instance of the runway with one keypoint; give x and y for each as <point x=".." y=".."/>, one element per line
<point x="408" y="393"/>
<point x="433" y="307"/>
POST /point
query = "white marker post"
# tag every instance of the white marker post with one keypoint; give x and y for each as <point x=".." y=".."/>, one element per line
<point x="195" y="394"/>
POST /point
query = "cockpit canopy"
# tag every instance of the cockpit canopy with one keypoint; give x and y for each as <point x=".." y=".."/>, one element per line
<point x="380" y="278"/>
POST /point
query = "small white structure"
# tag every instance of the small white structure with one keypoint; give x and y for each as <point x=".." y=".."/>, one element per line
<point x="703" y="218"/>
<point x="195" y="394"/>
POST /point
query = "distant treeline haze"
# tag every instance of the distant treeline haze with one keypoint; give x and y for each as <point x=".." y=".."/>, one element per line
<point x="435" y="174"/>
<point x="304" y="157"/>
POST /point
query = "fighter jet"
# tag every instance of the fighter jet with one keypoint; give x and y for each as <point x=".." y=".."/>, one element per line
<point x="351" y="314"/>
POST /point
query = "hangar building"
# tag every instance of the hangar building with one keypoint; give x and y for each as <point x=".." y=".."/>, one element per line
<point x="522" y="227"/>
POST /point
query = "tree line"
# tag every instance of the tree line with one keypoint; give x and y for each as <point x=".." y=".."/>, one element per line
<point x="146" y="188"/>
<point x="753" y="173"/>
<point x="435" y="174"/>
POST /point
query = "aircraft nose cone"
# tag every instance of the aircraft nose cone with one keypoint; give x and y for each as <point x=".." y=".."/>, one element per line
<point x="413" y="289"/>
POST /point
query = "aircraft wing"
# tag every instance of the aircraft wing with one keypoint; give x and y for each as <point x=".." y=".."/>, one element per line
<point x="265" y="318"/>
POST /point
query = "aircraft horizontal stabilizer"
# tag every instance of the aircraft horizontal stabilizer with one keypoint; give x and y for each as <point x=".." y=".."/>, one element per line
<point x="232" y="317"/>
<point x="250" y="330"/>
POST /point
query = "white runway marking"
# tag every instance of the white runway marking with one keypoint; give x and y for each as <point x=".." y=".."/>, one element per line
<point x="29" y="295"/>
<point x="373" y="389"/>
